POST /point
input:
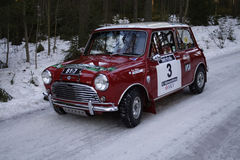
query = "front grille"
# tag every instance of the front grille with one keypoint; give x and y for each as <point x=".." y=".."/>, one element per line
<point x="74" y="92"/>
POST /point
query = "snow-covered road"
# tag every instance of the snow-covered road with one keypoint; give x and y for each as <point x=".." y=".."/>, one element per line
<point x="205" y="126"/>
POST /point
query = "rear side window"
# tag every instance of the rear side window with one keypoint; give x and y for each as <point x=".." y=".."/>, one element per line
<point x="184" y="39"/>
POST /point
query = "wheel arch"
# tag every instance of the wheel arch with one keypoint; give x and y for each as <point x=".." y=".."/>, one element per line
<point x="201" y="64"/>
<point x="141" y="87"/>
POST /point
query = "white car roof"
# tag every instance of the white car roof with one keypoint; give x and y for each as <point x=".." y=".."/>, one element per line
<point x="144" y="25"/>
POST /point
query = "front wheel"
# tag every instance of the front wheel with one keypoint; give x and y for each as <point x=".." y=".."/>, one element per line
<point x="199" y="82"/>
<point x="58" y="110"/>
<point x="131" y="107"/>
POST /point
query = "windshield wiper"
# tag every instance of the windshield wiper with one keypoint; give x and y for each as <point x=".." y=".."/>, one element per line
<point x="127" y="54"/>
<point x="131" y="54"/>
<point x="116" y="54"/>
<point x="102" y="53"/>
<point x="108" y="53"/>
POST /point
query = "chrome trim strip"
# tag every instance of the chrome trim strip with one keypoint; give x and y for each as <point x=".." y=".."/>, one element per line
<point x="50" y="100"/>
<point x="90" y="107"/>
<point x="134" y="84"/>
<point x="151" y="25"/>
<point x="193" y="50"/>
<point x="82" y="102"/>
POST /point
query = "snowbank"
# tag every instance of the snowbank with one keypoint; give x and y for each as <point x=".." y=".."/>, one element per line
<point x="210" y="49"/>
<point x="29" y="98"/>
<point x="26" y="96"/>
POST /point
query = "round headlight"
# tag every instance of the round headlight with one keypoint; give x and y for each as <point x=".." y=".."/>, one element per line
<point x="101" y="82"/>
<point x="47" y="77"/>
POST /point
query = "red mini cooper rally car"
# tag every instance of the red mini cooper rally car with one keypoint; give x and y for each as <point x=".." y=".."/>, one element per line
<point x="126" y="68"/>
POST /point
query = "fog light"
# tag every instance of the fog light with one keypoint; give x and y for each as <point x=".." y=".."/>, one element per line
<point x="103" y="98"/>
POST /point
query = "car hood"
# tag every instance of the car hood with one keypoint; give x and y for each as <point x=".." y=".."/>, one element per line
<point x="90" y="66"/>
<point x="97" y="63"/>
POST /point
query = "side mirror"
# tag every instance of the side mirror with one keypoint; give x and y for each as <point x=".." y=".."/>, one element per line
<point x="82" y="50"/>
<point x="156" y="57"/>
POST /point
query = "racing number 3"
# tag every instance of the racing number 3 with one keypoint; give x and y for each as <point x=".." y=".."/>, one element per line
<point x="169" y="67"/>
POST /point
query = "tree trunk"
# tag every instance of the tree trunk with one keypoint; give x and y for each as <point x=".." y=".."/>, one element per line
<point x="7" y="45"/>
<point x="148" y="10"/>
<point x="216" y="7"/>
<point x="36" y="50"/>
<point x="37" y="33"/>
<point x="181" y="11"/>
<point x="186" y="11"/>
<point x="7" y="38"/>
<point x="49" y="45"/>
<point x="135" y="10"/>
<point x="162" y="12"/>
<point x="106" y="8"/>
<point x="234" y="7"/>
<point x="26" y="32"/>
<point x="55" y="28"/>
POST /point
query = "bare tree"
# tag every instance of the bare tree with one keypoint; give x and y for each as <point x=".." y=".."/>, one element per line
<point x="234" y="7"/>
<point x="186" y="11"/>
<point x="181" y="6"/>
<point x="7" y="44"/>
<point x="7" y="37"/>
<point x="37" y="33"/>
<point x="163" y="9"/>
<point x="216" y="8"/>
<point x="105" y="8"/>
<point x="135" y="10"/>
<point x="26" y="32"/>
<point x="49" y="27"/>
<point x="84" y="9"/>
<point x="55" y="28"/>
<point x="148" y="10"/>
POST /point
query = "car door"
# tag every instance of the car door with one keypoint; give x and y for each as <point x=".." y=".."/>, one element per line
<point x="164" y="69"/>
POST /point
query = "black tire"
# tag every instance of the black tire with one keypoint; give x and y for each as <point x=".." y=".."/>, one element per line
<point x="59" y="110"/>
<point x="131" y="107"/>
<point x="199" y="82"/>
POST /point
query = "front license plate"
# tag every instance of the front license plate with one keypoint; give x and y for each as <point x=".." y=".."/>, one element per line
<point x="75" y="111"/>
<point x="82" y="113"/>
<point x="71" y="71"/>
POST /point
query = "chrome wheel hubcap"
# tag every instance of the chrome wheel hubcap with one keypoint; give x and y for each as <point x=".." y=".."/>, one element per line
<point x="200" y="79"/>
<point x="137" y="105"/>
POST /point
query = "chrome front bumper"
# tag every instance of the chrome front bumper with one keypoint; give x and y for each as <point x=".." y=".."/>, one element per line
<point x="102" y="107"/>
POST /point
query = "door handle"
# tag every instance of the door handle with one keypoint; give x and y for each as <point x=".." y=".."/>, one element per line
<point x="186" y="57"/>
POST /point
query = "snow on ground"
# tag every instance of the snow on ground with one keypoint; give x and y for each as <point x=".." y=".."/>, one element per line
<point x="201" y="34"/>
<point x="186" y="127"/>
<point x="28" y="98"/>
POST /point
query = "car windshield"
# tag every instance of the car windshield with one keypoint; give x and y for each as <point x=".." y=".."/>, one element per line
<point x="124" y="42"/>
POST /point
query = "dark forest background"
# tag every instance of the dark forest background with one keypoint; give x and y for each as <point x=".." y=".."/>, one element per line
<point x="24" y="21"/>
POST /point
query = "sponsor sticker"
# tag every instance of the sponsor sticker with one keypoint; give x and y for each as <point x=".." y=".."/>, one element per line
<point x="136" y="71"/>
<point x="169" y="76"/>
<point x="84" y="67"/>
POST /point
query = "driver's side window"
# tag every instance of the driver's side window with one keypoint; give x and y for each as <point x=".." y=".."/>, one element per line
<point x="162" y="43"/>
